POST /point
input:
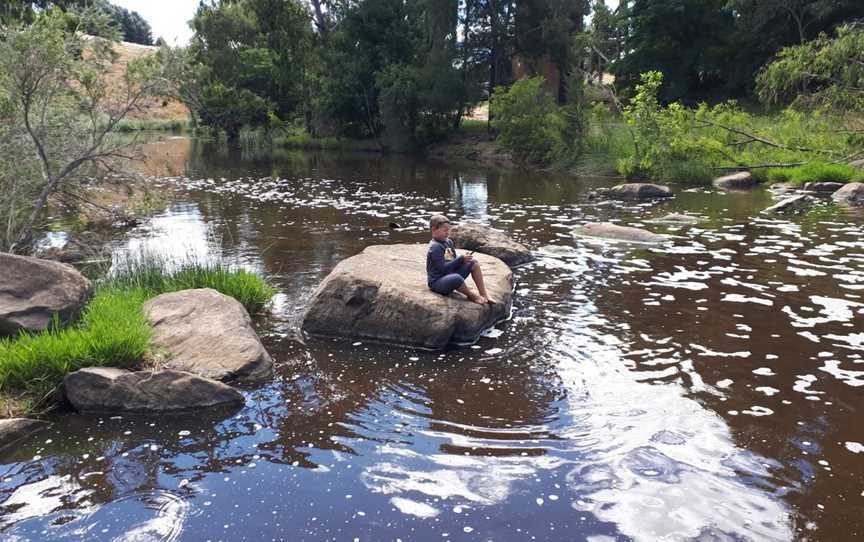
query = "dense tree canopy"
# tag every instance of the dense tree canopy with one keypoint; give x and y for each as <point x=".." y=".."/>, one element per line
<point x="130" y="24"/>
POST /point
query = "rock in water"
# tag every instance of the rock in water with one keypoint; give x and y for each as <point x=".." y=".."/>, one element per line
<point x="381" y="294"/>
<point x="491" y="242"/>
<point x="737" y="181"/>
<point x="797" y="203"/>
<point x="850" y="194"/>
<point x="107" y="389"/>
<point x="677" y="218"/>
<point x="34" y="291"/>
<point x="14" y="430"/>
<point x="605" y="230"/>
<point x="826" y="188"/>
<point x="639" y="191"/>
<point x="208" y="334"/>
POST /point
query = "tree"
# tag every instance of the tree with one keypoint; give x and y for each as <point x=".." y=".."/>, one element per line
<point x="688" y="40"/>
<point x="58" y="113"/>
<point x="826" y="72"/>
<point x="255" y="50"/>
<point x="527" y="121"/>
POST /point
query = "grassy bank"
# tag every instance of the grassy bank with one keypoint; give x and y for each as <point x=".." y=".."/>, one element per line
<point x="161" y="125"/>
<point x="112" y="329"/>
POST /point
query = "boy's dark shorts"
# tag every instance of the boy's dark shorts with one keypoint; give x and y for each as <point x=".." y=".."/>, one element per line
<point x="447" y="284"/>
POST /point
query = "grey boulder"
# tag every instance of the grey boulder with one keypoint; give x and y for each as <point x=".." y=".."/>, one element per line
<point x="14" y="430"/>
<point x="381" y="295"/>
<point x="492" y="242"/>
<point x="825" y="188"/>
<point x="794" y="204"/>
<point x="34" y="291"/>
<point x="851" y="194"/>
<point x="637" y="191"/>
<point x="209" y="334"/>
<point x="108" y="389"/>
<point x="606" y="230"/>
<point x="736" y="181"/>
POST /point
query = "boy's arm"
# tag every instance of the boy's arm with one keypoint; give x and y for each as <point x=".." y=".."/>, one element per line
<point x="442" y="267"/>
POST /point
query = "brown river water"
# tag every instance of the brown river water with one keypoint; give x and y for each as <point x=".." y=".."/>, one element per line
<point x="709" y="388"/>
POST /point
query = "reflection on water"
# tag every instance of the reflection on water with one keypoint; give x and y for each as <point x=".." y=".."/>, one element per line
<point x="707" y="388"/>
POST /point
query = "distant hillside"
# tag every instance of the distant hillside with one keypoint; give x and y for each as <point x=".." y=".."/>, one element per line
<point x="160" y="110"/>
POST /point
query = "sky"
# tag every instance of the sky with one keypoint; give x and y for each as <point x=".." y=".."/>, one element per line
<point x="168" y="18"/>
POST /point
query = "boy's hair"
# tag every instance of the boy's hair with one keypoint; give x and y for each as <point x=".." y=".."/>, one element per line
<point x="437" y="221"/>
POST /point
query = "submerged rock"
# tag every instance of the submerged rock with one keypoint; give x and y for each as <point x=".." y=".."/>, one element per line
<point x="381" y="294"/>
<point x="827" y="188"/>
<point x="108" y="389"/>
<point x="736" y="181"/>
<point x="638" y="191"/>
<point x="678" y="218"/>
<point x="794" y="204"/>
<point x="606" y="230"/>
<point x="208" y="334"/>
<point x="34" y="291"/>
<point x="492" y="242"/>
<point x="15" y="430"/>
<point x="850" y="194"/>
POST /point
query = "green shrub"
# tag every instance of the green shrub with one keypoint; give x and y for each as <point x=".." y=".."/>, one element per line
<point x="815" y="172"/>
<point x="527" y="120"/>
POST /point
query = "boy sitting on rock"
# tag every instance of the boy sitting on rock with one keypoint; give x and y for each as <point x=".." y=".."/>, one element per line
<point x="445" y="271"/>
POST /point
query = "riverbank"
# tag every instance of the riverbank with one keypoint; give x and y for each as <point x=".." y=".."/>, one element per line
<point x="111" y="329"/>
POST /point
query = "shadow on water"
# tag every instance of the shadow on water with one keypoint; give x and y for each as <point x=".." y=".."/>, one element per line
<point x="702" y="389"/>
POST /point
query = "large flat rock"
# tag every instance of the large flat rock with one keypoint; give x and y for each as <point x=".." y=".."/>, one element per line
<point x="14" y="430"/>
<point x="208" y="334"/>
<point x="108" y="389"/>
<point x="492" y="242"/>
<point x="34" y="291"/>
<point x="381" y="294"/>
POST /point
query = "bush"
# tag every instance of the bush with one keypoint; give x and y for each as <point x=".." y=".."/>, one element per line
<point x="815" y="172"/>
<point x="527" y="120"/>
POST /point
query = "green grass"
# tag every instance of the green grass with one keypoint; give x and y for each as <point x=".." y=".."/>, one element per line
<point x="112" y="329"/>
<point x="156" y="275"/>
<point x="815" y="172"/>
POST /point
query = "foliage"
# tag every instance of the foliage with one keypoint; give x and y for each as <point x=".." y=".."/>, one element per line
<point x="247" y="57"/>
<point x="666" y="146"/>
<point x="712" y="49"/>
<point x="230" y="108"/>
<point x="527" y="121"/>
<point x="816" y="172"/>
<point x="680" y="144"/>
<point x="825" y="72"/>
<point x="112" y="330"/>
<point x="57" y="111"/>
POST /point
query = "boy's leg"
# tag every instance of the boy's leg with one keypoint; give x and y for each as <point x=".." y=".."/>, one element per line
<point x="469" y="293"/>
<point x="477" y="275"/>
<point x="447" y="284"/>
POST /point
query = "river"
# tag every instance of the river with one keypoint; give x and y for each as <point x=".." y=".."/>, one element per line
<point x="706" y="389"/>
